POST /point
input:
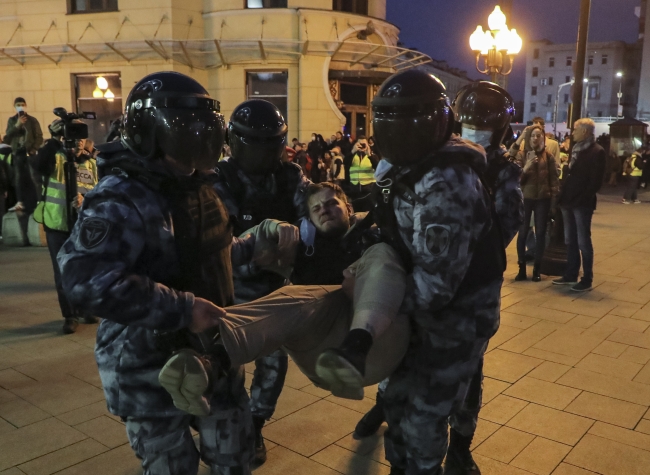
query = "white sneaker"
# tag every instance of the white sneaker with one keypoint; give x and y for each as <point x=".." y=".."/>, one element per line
<point x="637" y="202"/>
<point x="625" y="202"/>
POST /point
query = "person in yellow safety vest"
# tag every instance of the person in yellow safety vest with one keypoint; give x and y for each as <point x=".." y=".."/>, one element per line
<point x="361" y="176"/>
<point x="633" y="167"/>
<point x="52" y="212"/>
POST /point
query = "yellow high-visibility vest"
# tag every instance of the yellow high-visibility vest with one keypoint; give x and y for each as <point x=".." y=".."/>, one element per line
<point x="361" y="171"/>
<point x="53" y="210"/>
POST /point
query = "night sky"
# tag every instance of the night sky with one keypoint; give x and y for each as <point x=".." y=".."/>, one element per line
<point x="441" y="28"/>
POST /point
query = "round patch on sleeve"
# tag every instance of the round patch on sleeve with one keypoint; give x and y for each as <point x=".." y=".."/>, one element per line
<point x="93" y="232"/>
<point x="438" y="238"/>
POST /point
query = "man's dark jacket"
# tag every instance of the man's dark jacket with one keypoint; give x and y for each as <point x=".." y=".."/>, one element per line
<point x="584" y="180"/>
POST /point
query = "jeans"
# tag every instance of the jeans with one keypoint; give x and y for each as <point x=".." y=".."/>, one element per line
<point x="577" y="237"/>
<point x="632" y="186"/>
<point x="55" y="241"/>
<point x="541" y="209"/>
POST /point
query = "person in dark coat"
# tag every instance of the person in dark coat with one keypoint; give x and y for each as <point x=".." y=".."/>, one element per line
<point x="577" y="200"/>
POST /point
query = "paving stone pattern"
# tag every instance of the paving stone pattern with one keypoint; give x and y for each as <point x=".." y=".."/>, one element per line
<point x="567" y="388"/>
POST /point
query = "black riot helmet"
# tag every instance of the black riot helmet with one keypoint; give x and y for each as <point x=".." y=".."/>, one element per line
<point x="485" y="111"/>
<point x="411" y="116"/>
<point x="257" y="134"/>
<point x="168" y="113"/>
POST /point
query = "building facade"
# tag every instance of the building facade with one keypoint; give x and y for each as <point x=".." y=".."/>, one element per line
<point x="549" y="66"/>
<point x="320" y="61"/>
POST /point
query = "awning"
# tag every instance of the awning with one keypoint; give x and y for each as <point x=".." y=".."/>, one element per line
<point x="209" y="54"/>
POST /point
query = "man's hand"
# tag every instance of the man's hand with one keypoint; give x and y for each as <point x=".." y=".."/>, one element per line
<point x="21" y="120"/>
<point x="349" y="280"/>
<point x="205" y="315"/>
<point x="288" y="239"/>
<point x="76" y="203"/>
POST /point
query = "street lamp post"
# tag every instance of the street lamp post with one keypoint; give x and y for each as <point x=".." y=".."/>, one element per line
<point x="619" y="110"/>
<point x="557" y="100"/>
<point x="496" y="46"/>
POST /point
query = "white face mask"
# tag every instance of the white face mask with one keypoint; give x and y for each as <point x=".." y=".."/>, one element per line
<point x="481" y="137"/>
<point x="20" y="109"/>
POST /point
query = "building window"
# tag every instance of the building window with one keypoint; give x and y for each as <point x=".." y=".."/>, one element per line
<point x="535" y="72"/>
<point x="91" y="6"/>
<point x="549" y="116"/>
<point x="594" y="92"/>
<point x="566" y="98"/>
<point x="536" y="53"/>
<point x="533" y="107"/>
<point x="550" y="81"/>
<point x="565" y="114"/>
<point x="359" y="7"/>
<point x="569" y="60"/>
<point x="271" y="86"/>
<point x="549" y="99"/>
<point x="533" y="91"/>
<point x="567" y="78"/>
<point x="100" y="93"/>
<point x="266" y="3"/>
<point x="590" y="59"/>
<point x="551" y="62"/>
<point x="600" y="113"/>
<point x="604" y="60"/>
<point x="354" y="94"/>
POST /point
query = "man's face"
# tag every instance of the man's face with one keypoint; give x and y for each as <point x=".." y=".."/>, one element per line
<point x="339" y="136"/>
<point x="579" y="134"/>
<point x="297" y="147"/>
<point x="330" y="214"/>
<point x="20" y="106"/>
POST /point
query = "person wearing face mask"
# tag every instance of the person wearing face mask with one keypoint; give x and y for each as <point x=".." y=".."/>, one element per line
<point x="25" y="137"/>
<point x="315" y="148"/>
<point x="53" y="211"/>
<point x="540" y="185"/>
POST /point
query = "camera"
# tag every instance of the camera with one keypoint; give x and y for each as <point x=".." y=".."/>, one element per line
<point x="72" y="129"/>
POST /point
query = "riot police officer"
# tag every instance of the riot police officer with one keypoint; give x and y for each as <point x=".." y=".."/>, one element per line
<point x="255" y="184"/>
<point x="435" y="211"/>
<point x="151" y="251"/>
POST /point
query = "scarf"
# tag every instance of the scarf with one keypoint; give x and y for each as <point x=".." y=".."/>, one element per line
<point x="579" y="147"/>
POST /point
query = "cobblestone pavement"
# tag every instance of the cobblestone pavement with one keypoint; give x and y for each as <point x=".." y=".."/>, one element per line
<point x="567" y="386"/>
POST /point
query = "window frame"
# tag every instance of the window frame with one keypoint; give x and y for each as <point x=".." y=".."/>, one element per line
<point x="263" y="7"/>
<point x="535" y="71"/>
<point x="533" y="107"/>
<point x="551" y="62"/>
<point x="533" y="91"/>
<point x="604" y="58"/>
<point x="73" y="11"/>
<point x="337" y="6"/>
<point x="590" y="59"/>
<point x="569" y="60"/>
<point x="261" y="71"/>
<point x="536" y="53"/>
<point x="550" y="80"/>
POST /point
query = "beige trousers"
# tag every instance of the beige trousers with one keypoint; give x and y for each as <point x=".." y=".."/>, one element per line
<point x="305" y="320"/>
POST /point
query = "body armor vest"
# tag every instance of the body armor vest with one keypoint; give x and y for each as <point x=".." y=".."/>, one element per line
<point x="489" y="258"/>
<point x="259" y="204"/>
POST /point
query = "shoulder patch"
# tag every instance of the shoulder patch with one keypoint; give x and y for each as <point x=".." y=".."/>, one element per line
<point x="93" y="231"/>
<point x="438" y="239"/>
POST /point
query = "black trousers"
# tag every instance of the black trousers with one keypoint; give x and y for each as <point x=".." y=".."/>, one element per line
<point x="55" y="241"/>
<point x="541" y="208"/>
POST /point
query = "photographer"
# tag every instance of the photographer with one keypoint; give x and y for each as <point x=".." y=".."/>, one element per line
<point x="58" y="201"/>
<point x="361" y="175"/>
<point x="24" y="135"/>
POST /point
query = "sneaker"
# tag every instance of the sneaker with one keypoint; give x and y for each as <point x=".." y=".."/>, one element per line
<point x="186" y="377"/>
<point x="625" y="202"/>
<point x="637" y="202"/>
<point x="343" y="373"/>
<point x="564" y="281"/>
<point x="582" y="286"/>
<point x="70" y="326"/>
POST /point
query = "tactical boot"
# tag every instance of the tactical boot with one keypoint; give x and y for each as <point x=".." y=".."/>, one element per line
<point x="459" y="459"/>
<point x="91" y="319"/>
<point x="70" y="325"/>
<point x="522" y="272"/>
<point x="371" y="422"/>
<point x="536" y="275"/>
<point x="260" y="447"/>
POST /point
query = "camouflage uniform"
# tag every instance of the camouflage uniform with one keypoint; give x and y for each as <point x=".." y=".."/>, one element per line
<point x="502" y="177"/>
<point x="119" y="264"/>
<point x="452" y="298"/>
<point x="251" y="283"/>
